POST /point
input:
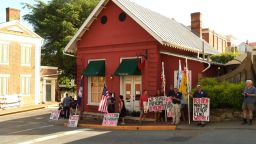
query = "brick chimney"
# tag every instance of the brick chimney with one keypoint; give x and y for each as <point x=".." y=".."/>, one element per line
<point x="196" y="24"/>
<point x="12" y="14"/>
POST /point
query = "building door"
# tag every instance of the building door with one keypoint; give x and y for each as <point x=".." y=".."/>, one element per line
<point x="48" y="91"/>
<point x="131" y="92"/>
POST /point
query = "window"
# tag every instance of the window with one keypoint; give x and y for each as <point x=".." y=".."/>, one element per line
<point x="25" y="54"/>
<point x="95" y="88"/>
<point x="25" y="85"/>
<point x="104" y="19"/>
<point x="176" y="81"/>
<point x="4" y="53"/>
<point x="3" y="85"/>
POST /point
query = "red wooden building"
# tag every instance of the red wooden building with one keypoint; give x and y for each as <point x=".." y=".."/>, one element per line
<point x="123" y="44"/>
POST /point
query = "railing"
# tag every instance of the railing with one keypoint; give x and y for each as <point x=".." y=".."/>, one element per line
<point x="10" y="101"/>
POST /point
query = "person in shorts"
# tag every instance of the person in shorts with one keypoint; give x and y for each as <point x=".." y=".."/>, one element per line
<point x="249" y="101"/>
<point x="143" y="101"/>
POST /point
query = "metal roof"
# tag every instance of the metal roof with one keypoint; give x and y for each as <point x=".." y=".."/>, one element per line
<point x="166" y="31"/>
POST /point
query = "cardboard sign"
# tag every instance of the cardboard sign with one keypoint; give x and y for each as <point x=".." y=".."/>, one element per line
<point x="156" y="103"/>
<point x="169" y="106"/>
<point x="110" y="119"/>
<point x="201" y="109"/>
<point x="73" y="121"/>
<point x="55" y="115"/>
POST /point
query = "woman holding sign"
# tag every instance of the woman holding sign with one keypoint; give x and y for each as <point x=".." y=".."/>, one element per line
<point x="199" y="93"/>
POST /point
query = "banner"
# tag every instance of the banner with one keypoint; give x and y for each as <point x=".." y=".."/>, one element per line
<point x="73" y="121"/>
<point x="110" y="119"/>
<point x="169" y="106"/>
<point x="156" y="103"/>
<point x="201" y="109"/>
<point x="55" y="115"/>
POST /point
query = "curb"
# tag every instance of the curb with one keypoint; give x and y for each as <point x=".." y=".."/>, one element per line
<point x="20" y="111"/>
<point x="128" y="128"/>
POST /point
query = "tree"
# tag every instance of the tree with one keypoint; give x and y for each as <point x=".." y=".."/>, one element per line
<point x="57" y="21"/>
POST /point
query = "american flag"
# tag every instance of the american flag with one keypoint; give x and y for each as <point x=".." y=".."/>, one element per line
<point x="103" y="107"/>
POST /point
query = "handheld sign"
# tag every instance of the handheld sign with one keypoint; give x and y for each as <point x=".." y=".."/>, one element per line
<point x="55" y="115"/>
<point x="110" y="119"/>
<point x="201" y="109"/>
<point x="169" y="106"/>
<point x="73" y="121"/>
<point x="156" y="103"/>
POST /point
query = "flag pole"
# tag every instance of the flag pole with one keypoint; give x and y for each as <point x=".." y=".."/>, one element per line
<point x="163" y="83"/>
<point x="188" y="90"/>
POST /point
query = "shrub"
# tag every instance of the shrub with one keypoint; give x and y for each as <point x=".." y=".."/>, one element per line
<point x="223" y="58"/>
<point x="223" y="94"/>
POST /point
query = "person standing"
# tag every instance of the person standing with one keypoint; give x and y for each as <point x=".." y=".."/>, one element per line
<point x="122" y="109"/>
<point x="176" y="99"/>
<point x="66" y="106"/>
<point x="249" y="101"/>
<point x="143" y="102"/>
<point x="111" y="103"/>
<point x="199" y="93"/>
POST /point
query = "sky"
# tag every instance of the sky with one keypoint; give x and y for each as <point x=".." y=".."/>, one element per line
<point x="226" y="17"/>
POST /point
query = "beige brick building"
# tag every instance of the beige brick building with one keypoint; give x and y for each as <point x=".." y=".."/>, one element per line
<point x="219" y="42"/>
<point x="20" y="51"/>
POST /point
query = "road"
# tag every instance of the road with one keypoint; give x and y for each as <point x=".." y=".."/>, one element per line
<point x="35" y="127"/>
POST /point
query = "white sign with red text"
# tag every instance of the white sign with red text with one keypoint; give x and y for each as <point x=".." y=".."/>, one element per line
<point x="55" y="115"/>
<point x="73" y="121"/>
<point x="201" y="109"/>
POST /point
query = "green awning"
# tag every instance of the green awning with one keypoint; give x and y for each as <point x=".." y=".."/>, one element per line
<point x="128" y="67"/>
<point x="95" y="68"/>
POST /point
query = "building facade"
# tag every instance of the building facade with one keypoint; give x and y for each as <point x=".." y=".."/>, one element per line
<point x="123" y="45"/>
<point x="221" y="43"/>
<point x="20" y="50"/>
<point x="49" y="84"/>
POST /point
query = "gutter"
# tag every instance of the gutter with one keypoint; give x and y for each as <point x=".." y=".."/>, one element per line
<point x="189" y="58"/>
<point x="67" y="54"/>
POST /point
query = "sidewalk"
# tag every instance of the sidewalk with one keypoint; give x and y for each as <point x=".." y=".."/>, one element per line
<point x="26" y="108"/>
<point x="217" y="125"/>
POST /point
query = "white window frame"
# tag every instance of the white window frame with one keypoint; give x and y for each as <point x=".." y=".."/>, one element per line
<point x="8" y="52"/>
<point x="7" y="76"/>
<point x="89" y="92"/>
<point x="24" y="53"/>
<point x="175" y="79"/>
<point x="29" y="84"/>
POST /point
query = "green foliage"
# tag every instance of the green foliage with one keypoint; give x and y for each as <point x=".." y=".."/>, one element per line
<point x="57" y="21"/>
<point x="223" y="58"/>
<point x="223" y="94"/>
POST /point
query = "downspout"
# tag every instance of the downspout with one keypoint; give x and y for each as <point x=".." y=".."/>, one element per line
<point x="209" y="65"/>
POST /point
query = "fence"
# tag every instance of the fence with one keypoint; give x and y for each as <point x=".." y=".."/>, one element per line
<point x="10" y="101"/>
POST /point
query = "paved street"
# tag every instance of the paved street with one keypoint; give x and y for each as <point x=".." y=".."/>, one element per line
<point x="35" y="127"/>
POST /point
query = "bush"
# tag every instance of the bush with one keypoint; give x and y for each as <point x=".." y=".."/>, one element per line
<point x="223" y="94"/>
<point x="223" y="58"/>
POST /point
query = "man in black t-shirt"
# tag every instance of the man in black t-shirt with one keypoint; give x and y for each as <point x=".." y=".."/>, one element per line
<point x="176" y="99"/>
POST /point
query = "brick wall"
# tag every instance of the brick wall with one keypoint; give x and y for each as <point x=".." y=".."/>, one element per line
<point x="14" y="69"/>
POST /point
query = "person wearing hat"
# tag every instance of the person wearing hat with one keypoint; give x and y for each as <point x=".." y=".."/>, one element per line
<point x="199" y="93"/>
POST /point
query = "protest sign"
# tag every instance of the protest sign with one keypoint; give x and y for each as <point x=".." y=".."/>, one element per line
<point x="73" y="121"/>
<point x="156" y="103"/>
<point x="201" y="109"/>
<point x="169" y="106"/>
<point x="55" y="115"/>
<point x="110" y="119"/>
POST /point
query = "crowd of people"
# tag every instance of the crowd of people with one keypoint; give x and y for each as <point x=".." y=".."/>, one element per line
<point x="68" y="105"/>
